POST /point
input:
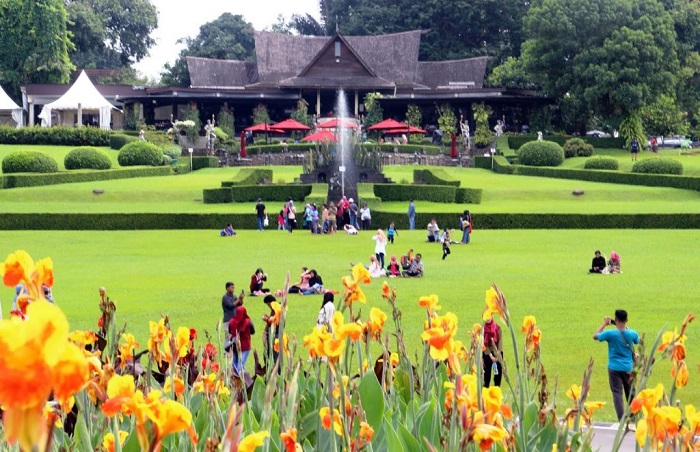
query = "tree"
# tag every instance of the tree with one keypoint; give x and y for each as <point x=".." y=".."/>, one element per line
<point x="663" y="117"/>
<point x="482" y="133"/>
<point x="373" y="110"/>
<point x="111" y="33"/>
<point x="227" y="38"/>
<point x="447" y="121"/>
<point x="301" y="113"/>
<point x="608" y="57"/>
<point x="306" y="25"/>
<point x="34" y="45"/>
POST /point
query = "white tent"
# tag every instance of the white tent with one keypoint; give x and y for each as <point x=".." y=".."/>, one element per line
<point x="81" y="96"/>
<point x="7" y="104"/>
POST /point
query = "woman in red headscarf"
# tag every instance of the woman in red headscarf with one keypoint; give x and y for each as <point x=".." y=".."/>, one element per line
<point x="240" y="327"/>
<point x="492" y="353"/>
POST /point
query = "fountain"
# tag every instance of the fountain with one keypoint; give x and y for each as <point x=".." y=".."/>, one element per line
<point x="343" y="136"/>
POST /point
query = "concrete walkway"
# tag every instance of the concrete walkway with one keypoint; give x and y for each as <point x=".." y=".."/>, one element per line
<point x="604" y="435"/>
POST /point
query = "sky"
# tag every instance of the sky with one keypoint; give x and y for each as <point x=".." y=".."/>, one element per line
<point x="181" y="18"/>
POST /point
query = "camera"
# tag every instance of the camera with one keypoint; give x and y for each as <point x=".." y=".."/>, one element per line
<point x="612" y="321"/>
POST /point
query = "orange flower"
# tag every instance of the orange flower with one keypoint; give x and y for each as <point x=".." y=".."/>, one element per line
<point x="178" y="387"/>
<point x="108" y="440"/>
<point x="285" y="341"/>
<point x="160" y="337"/>
<point x="377" y="318"/>
<point x="681" y="370"/>
<point x="440" y="335"/>
<point x="253" y="441"/>
<point x="529" y="323"/>
<point x="343" y="330"/>
<point x="277" y="309"/>
<point x="353" y="292"/>
<point x="120" y="390"/>
<point x="429" y="302"/>
<point x="495" y="304"/>
<point x="19" y="268"/>
<point x="71" y="373"/>
<point x="289" y="439"/>
<point x="588" y="409"/>
<point x="315" y="341"/>
<point x="386" y="291"/>
<point x="82" y="338"/>
<point x="669" y="338"/>
<point x="366" y="433"/>
<point x="333" y="348"/>
<point x="647" y="399"/>
<point x="329" y="421"/>
<point x="169" y="417"/>
<point x="182" y="341"/>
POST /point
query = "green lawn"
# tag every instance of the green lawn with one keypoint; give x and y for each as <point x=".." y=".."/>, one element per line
<point x="543" y="273"/>
<point x="57" y="152"/>
<point x="690" y="161"/>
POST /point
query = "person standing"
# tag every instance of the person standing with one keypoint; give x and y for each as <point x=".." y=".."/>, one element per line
<point x="241" y="327"/>
<point x="465" y="223"/>
<point x="261" y="213"/>
<point x="446" y="239"/>
<point x="353" y="213"/>
<point x="492" y="353"/>
<point x="411" y="215"/>
<point x="380" y="246"/>
<point x="365" y="217"/>
<point x="620" y="341"/>
<point x="391" y="232"/>
<point x="634" y="149"/>
<point x="291" y="216"/>
<point x="229" y="302"/>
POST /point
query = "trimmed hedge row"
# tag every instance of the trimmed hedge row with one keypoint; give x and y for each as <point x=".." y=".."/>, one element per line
<point x="119" y="140"/>
<point x="501" y="165"/>
<point x="515" y="141"/>
<point x="365" y="194"/>
<point x="406" y="148"/>
<point x="217" y="195"/>
<point x="29" y="162"/>
<point x="59" y="135"/>
<point x="318" y="195"/>
<point x="35" y="180"/>
<point x="215" y="221"/>
<point x="436" y="176"/>
<point x="250" y="193"/>
<point x="435" y="193"/>
<point x="278" y="148"/>
<point x="602" y="162"/>
<point x="383" y="147"/>
<point x="204" y="162"/>
<point x="482" y="162"/>
<point x="248" y="176"/>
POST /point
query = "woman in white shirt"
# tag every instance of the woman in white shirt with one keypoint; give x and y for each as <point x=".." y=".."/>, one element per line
<point x="380" y="246"/>
<point x="365" y="217"/>
<point x="325" y="314"/>
<point x="374" y="269"/>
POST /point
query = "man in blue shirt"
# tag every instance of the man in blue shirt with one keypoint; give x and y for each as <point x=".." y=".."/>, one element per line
<point x="620" y="341"/>
<point x="411" y="215"/>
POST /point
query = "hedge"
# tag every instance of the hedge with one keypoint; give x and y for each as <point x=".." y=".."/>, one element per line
<point x="399" y="192"/>
<point x="384" y="147"/>
<point x="217" y="195"/>
<point x="577" y="147"/>
<point x="482" y="162"/>
<point x="468" y="195"/>
<point x="29" y="162"/>
<point x="249" y="176"/>
<point x="318" y="195"/>
<point x="658" y="165"/>
<point x="503" y="147"/>
<point x="35" y="180"/>
<point x="436" y="176"/>
<point x="276" y="192"/>
<point x="215" y="221"/>
<point x="87" y="158"/>
<point x="278" y="148"/>
<point x="602" y="162"/>
<point x="365" y="194"/>
<point x="501" y="165"/>
<point x="119" y="140"/>
<point x="515" y="141"/>
<point x="204" y="162"/>
<point x="541" y="153"/>
<point x="139" y="153"/>
<point x="59" y="136"/>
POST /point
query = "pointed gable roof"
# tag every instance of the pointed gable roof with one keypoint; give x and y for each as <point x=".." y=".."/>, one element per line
<point x="280" y="56"/>
<point x="222" y="74"/>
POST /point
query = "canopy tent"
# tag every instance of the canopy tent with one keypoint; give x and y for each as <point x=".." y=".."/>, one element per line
<point x="263" y="127"/>
<point x="405" y="129"/>
<point x="81" y="96"/>
<point x="8" y="105"/>
<point x="291" y="125"/>
<point x="321" y="135"/>
<point x="388" y="124"/>
<point x="337" y="123"/>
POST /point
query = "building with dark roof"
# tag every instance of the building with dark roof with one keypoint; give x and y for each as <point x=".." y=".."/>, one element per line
<point x="288" y="68"/>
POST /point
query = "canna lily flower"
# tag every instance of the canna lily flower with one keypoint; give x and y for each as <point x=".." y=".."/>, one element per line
<point x="486" y="435"/>
<point x="160" y="337"/>
<point x="574" y="392"/>
<point x="660" y="425"/>
<point x="360" y="274"/>
<point x="669" y="338"/>
<point x="495" y="304"/>
<point x="386" y="291"/>
<point x="82" y="338"/>
<point x="429" y="302"/>
<point x="277" y="309"/>
<point x="169" y="417"/>
<point x="51" y="416"/>
<point x="343" y="330"/>
<point x="377" y="318"/>
<point x="333" y="348"/>
<point x="329" y="421"/>
<point x="182" y="341"/>
<point x="19" y="268"/>
<point x="253" y="441"/>
<point x="289" y="439"/>
<point x="680" y="374"/>
<point x="440" y="335"/>
<point x="285" y="342"/>
<point x="647" y="399"/>
<point x="588" y="409"/>
<point x="315" y="342"/>
<point x="108" y="440"/>
<point x="336" y="387"/>
<point x="126" y="351"/>
<point x="174" y="384"/>
<point x="353" y="292"/>
<point x="71" y="373"/>
<point x="529" y="323"/>
<point x="120" y="390"/>
<point x="693" y="418"/>
<point x="366" y="434"/>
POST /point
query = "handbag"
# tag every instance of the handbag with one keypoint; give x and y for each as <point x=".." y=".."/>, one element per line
<point x="266" y="221"/>
<point x="635" y="355"/>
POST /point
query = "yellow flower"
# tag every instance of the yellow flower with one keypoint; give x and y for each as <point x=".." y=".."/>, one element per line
<point x="647" y="399"/>
<point x="169" y="417"/>
<point x="360" y="274"/>
<point x="366" y="433"/>
<point x="71" y="373"/>
<point x="108" y="440"/>
<point x="253" y="441"/>
<point x="277" y="309"/>
<point x="353" y="292"/>
<point x="82" y="338"/>
<point x="574" y="392"/>
<point x="386" y="291"/>
<point x="182" y="341"/>
<point x="669" y="338"/>
<point x="377" y="318"/>
<point x="485" y="435"/>
<point x="529" y="323"/>
<point x="681" y="369"/>
<point x="159" y="337"/>
<point x="495" y="304"/>
<point x="328" y="420"/>
<point x="19" y="268"/>
<point x="126" y="351"/>
<point x="589" y="408"/>
<point x="285" y="342"/>
<point x="429" y="302"/>
<point x="178" y="386"/>
<point x="315" y="342"/>
<point x="120" y="390"/>
<point x="440" y="335"/>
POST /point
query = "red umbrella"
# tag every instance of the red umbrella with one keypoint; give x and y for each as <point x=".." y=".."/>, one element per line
<point x="321" y="135"/>
<point x="337" y="123"/>
<point x="243" y="153"/>
<point x="453" y="146"/>
<point x="291" y="124"/>
<point x="262" y="128"/>
<point x="405" y="129"/>
<point x="388" y="124"/>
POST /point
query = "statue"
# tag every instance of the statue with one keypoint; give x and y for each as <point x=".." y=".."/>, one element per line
<point x="211" y="136"/>
<point x="142" y="135"/>
<point x="464" y="127"/>
<point x="498" y="128"/>
<point x="539" y="136"/>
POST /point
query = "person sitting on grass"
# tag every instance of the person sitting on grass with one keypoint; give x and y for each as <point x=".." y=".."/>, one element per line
<point x="614" y="264"/>
<point x="433" y="231"/>
<point x="350" y="229"/>
<point x="256" y="283"/>
<point x="406" y="259"/>
<point x="394" y="268"/>
<point x="228" y="231"/>
<point x="416" y="268"/>
<point x="598" y="263"/>
<point x="375" y="268"/>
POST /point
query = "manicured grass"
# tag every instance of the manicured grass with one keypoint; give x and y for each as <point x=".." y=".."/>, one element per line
<point x="690" y="161"/>
<point x="543" y="273"/>
<point x="57" y="152"/>
<point x="528" y="194"/>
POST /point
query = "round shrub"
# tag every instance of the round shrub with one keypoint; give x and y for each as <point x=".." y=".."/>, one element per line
<point x="29" y="162"/>
<point x="658" y="165"/>
<point x="140" y="153"/>
<point x="173" y="151"/>
<point x="87" y="158"/>
<point x="540" y="153"/>
<point x="576" y="147"/>
<point x="602" y="162"/>
<point x="167" y="160"/>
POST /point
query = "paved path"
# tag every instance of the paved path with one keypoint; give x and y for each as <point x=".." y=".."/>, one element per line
<point x="605" y="435"/>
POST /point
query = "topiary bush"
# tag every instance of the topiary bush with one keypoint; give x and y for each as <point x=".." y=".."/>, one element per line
<point x="576" y="147"/>
<point x="658" y="165"/>
<point x="118" y="140"/>
<point x="602" y="162"/>
<point x="540" y="153"/>
<point x="28" y="162"/>
<point x="140" y="153"/>
<point x="172" y="150"/>
<point x="87" y="158"/>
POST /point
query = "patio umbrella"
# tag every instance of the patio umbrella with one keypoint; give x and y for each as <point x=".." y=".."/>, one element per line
<point x="321" y="135"/>
<point x="243" y="153"/>
<point x="406" y="129"/>
<point x="388" y="124"/>
<point x="453" y="146"/>
<point x="337" y="123"/>
<point x="263" y="127"/>
<point x="291" y="125"/>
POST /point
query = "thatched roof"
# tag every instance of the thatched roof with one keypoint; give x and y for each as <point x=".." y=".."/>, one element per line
<point x="455" y="74"/>
<point x="211" y="73"/>
<point x="393" y="57"/>
<point x="280" y="56"/>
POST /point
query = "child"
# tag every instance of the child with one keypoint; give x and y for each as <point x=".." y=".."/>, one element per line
<point x="280" y="221"/>
<point x="391" y="232"/>
<point x="445" y="243"/>
<point x="394" y="269"/>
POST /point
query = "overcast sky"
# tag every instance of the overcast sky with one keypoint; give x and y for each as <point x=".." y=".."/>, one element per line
<point x="180" y="18"/>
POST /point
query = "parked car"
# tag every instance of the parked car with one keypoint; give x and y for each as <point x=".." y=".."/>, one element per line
<point x="597" y="134"/>
<point x="673" y="141"/>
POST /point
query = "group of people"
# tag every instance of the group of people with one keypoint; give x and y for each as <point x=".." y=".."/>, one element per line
<point x="327" y="219"/>
<point x="599" y="265"/>
<point x="227" y="231"/>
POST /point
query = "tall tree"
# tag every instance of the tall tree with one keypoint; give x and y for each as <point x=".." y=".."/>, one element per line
<point x="111" y="33"/>
<point x="34" y="45"/>
<point x="227" y="38"/>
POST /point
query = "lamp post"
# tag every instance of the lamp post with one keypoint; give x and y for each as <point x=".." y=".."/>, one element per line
<point x="191" y="151"/>
<point x="493" y="153"/>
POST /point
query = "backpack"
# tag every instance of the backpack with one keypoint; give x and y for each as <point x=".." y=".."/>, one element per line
<point x="634" y="145"/>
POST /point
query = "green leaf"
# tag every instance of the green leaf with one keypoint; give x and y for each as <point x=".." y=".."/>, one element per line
<point x="529" y="418"/>
<point x="410" y="443"/>
<point x="132" y="443"/>
<point x="257" y="398"/>
<point x="307" y="426"/>
<point x="429" y="426"/>
<point x="393" y="442"/>
<point x="201" y="422"/>
<point x="402" y="383"/>
<point x="372" y="400"/>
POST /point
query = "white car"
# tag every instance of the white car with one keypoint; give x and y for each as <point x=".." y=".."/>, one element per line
<point x="673" y="141"/>
<point x="597" y="134"/>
